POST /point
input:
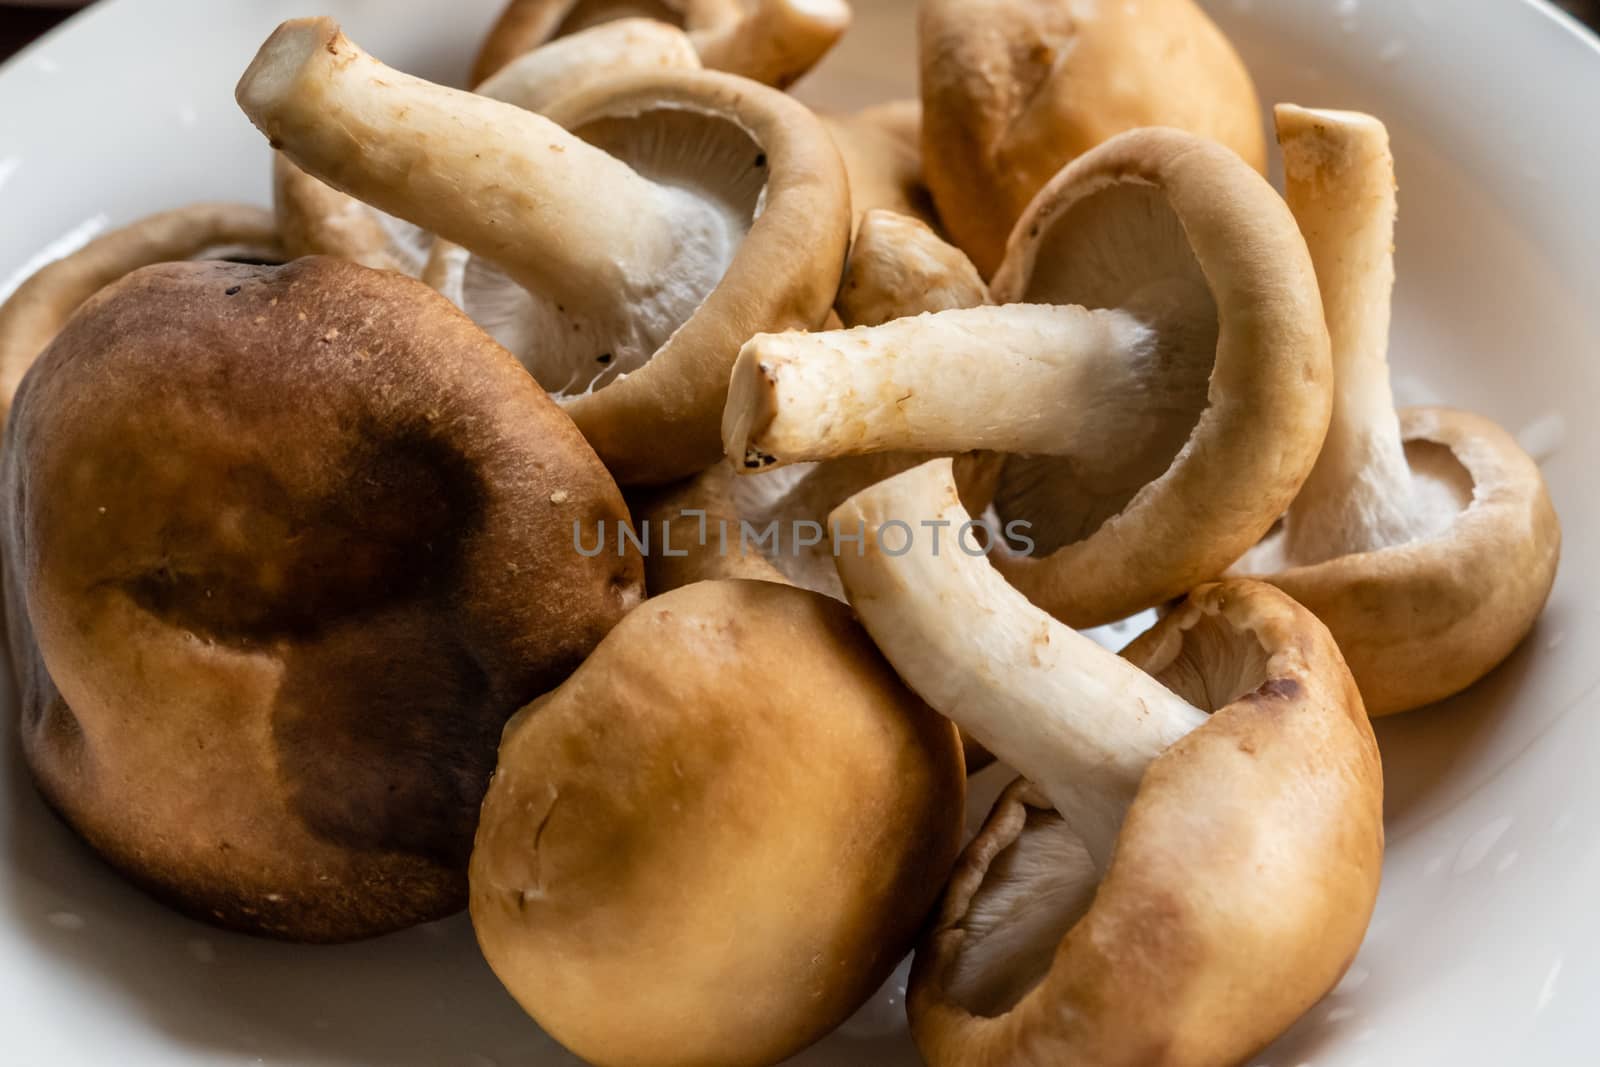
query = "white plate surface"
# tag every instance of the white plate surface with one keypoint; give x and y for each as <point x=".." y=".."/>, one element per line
<point x="1486" y="947"/>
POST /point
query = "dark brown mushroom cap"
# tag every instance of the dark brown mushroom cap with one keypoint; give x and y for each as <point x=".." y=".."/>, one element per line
<point x="1241" y="887"/>
<point x="284" y="548"/>
<point x="1422" y="621"/>
<point x="718" y="838"/>
<point x="663" y="421"/>
<point x="1183" y="233"/>
<point x="526" y="24"/>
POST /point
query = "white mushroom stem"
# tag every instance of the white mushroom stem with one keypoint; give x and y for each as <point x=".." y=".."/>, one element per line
<point x="1340" y="184"/>
<point x="1019" y="378"/>
<point x="1079" y="722"/>
<point x="535" y="80"/>
<point x="560" y="216"/>
<point x="777" y="41"/>
<point x="899" y="267"/>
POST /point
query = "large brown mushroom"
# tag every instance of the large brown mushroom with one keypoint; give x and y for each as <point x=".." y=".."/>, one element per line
<point x="43" y="303"/>
<point x="684" y="213"/>
<point x="718" y="838"/>
<point x="284" y="548"/>
<point x="1194" y="856"/>
<point x="1426" y="540"/>
<point x="1013" y="90"/>
<point x="1156" y="371"/>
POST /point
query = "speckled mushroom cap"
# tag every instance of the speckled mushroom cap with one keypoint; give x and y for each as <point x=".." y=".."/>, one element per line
<point x="1013" y="90"/>
<point x="526" y="24"/>
<point x="717" y="839"/>
<point x="43" y="303"/>
<point x="1180" y="232"/>
<point x="1240" y="889"/>
<point x="284" y="548"/>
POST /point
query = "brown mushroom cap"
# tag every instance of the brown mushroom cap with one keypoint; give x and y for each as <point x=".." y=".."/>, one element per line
<point x="41" y="305"/>
<point x="1013" y="90"/>
<point x="1423" y="620"/>
<point x="1242" y="883"/>
<point x="885" y="172"/>
<point x="719" y="836"/>
<point x="1179" y="231"/>
<point x="284" y="548"/>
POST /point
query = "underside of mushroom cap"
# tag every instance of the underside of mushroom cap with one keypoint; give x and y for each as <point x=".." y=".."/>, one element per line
<point x="1013" y="90"/>
<point x="1421" y="621"/>
<point x="663" y="420"/>
<point x="1241" y="887"/>
<point x="1235" y="396"/>
<point x="526" y="24"/>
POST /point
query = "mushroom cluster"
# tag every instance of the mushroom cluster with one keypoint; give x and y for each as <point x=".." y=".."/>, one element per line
<point x="626" y="503"/>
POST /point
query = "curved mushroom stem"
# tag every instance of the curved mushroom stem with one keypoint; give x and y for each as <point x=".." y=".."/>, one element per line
<point x="777" y="42"/>
<point x="1340" y="185"/>
<point x="560" y="216"/>
<point x="534" y="80"/>
<point x="1079" y="722"/>
<point x="41" y="305"/>
<point x="1020" y="378"/>
<point x="899" y="267"/>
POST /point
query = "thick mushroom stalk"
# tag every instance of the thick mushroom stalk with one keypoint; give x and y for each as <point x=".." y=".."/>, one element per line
<point x="559" y="215"/>
<point x="1019" y="378"/>
<point x="1340" y="184"/>
<point x="534" y="80"/>
<point x="1040" y="696"/>
<point x="899" y="267"/>
<point x="775" y="42"/>
<point x="41" y="305"/>
<point x="1425" y="539"/>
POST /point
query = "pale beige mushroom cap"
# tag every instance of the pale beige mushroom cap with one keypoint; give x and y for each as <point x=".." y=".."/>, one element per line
<point x="718" y="838"/>
<point x="1013" y="90"/>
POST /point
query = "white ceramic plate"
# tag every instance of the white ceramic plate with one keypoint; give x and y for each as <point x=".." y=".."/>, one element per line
<point x="1486" y="947"/>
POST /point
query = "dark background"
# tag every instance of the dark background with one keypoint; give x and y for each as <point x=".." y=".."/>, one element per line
<point x="19" y="25"/>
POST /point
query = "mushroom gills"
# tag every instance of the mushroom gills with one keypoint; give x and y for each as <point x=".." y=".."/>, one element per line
<point x="571" y="354"/>
<point x="1100" y="254"/>
<point x="1040" y="886"/>
<point x="1441" y="489"/>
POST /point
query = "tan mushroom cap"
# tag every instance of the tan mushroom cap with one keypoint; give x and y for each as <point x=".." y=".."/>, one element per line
<point x="664" y="419"/>
<point x="284" y="548"/>
<point x="899" y="267"/>
<point x="770" y="41"/>
<point x="43" y="303"/>
<point x="676" y="215"/>
<point x="524" y="25"/>
<point x="1243" y="879"/>
<point x="718" y="838"/>
<point x="1013" y="90"/>
<point x="1156" y="371"/>
<point x="1425" y="539"/>
<point x="884" y="171"/>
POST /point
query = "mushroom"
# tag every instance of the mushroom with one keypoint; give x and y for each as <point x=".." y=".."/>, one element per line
<point x="884" y="171"/>
<point x="318" y="220"/>
<point x="284" y="548"/>
<point x="771" y="41"/>
<point x="900" y="268"/>
<point x="41" y="305"/>
<point x="1157" y="374"/>
<point x="1221" y="784"/>
<point x="1013" y="90"/>
<point x="718" y="838"/>
<point x="901" y="119"/>
<point x="684" y="213"/>
<point x="1426" y="541"/>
